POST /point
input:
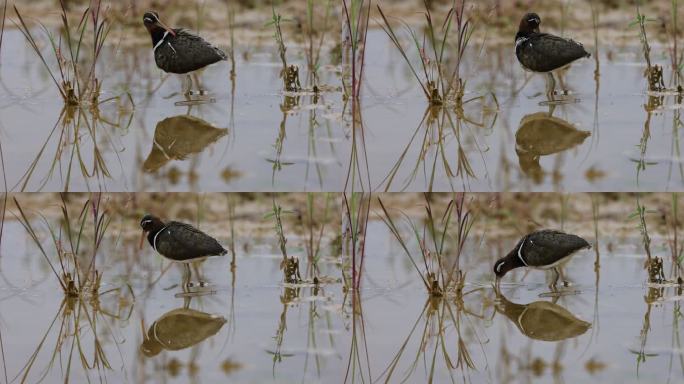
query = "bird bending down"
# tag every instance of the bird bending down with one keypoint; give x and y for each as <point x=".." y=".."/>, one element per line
<point x="179" y="51"/>
<point x="543" y="52"/>
<point x="180" y="243"/>
<point x="545" y="249"/>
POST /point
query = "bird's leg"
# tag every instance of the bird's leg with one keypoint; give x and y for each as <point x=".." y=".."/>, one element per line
<point x="187" y="86"/>
<point x="186" y="277"/>
<point x="200" y="279"/>
<point x="550" y="85"/>
<point x="554" y="281"/>
<point x="198" y="84"/>
<point x="562" y="278"/>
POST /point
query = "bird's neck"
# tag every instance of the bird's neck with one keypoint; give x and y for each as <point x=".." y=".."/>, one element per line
<point x="152" y="234"/>
<point x="513" y="259"/>
<point x="157" y="35"/>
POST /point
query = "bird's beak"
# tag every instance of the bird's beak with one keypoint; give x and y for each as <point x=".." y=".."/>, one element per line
<point x="142" y="238"/>
<point x="169" y="30"/>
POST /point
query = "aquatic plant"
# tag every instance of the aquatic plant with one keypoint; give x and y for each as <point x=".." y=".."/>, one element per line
<point x="438" y="271"/>
<point x="653" y="73"/>
<point x="74" y="75"/>
<point x="676" y="249"/>
<point x="313" y="219"/>
<point x="356" y="216"/>
<point x="314" y="46"/>
<point x="676" y="57"/>
<point x="289" y="73"/>
<point x="431" y="72"/>
<point x="68" y="243"/>
<point x="355" y="20"/>
<point x="289" y="265"/>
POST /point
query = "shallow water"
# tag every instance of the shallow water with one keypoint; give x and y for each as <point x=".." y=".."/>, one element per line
<point x="590" y="335"/>
<point x="230" y="144"/>
<point x="252" y="328"/>
<point x="254" y="138"/>
<point x="497" y="144"/>
<point x="230" y="334"/>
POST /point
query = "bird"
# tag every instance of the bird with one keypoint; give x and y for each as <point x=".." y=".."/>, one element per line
<point x="179" y="242"/>
<point x="179" y="51"/>
<point x="543" y="52"/>
<point x="543" y="249"/>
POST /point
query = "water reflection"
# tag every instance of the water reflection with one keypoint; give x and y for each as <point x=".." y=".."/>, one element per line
<point x="179" y="329"/>
<point x="542" y="320"/>
<point x="177" y="137"/>
<point x="541" y="134"/>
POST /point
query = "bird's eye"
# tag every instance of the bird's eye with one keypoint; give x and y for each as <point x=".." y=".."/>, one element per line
<point x="145" y="222"/>
<point x="148" y="20"/>
<point x="498" y="267"/>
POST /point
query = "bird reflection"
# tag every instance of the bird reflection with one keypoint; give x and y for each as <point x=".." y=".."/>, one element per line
<point x="179" y="329"/>
<point x="542" y="320"/>
<point x="541" y="134"/>
<point x="177" y="137"/>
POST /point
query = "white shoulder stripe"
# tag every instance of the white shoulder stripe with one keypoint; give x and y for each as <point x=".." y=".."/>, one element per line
<point x="520" y="251"/>
<point x="154" y="240"/>
<point x="160" y="42"/>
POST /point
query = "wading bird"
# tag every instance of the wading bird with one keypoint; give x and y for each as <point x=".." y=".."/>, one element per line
<point x="544" y="53"/>
<point x="545" y="249"/>
<point x="179" y="51"/>
<point x="180" y="243"/>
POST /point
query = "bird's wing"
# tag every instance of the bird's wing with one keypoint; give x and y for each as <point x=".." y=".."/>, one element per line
<point x="182" y="241"/>
<point x="546" y="247"/>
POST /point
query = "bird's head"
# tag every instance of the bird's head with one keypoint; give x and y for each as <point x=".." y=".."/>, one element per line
<point x="530" y="23"/>
<point x="150" y="224"/>
<point x="152" y="22"/>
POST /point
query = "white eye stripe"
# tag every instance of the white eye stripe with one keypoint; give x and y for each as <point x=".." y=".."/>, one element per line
<point x="144" y="222"/>
<point x="498" y="267"/>
<point x="148" y="20"/>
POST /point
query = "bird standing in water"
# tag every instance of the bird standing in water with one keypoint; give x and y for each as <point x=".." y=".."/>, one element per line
<point x="179" y="51"/>
<point x="545" y="249"/>
<point x="180" y="242"/>
<point x="543" y="52"/>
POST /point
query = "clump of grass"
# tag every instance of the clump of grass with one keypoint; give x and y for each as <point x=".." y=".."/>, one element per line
<point x="437" y="83"/>
<point x="315" y="235"/>
<point x="677" y="58"/>
<point x="676" y="249"/>
<point x="356" y="215"/>
<point x="74" y="75"/>
<point x="68" y="243"/>
<point x="314" y="45"/>
<point x="653" y="265"/>
<point x="356" y="17"/>
<point x="289" y="265"/>
<point x="289" y="73"/>
<point x="438" y="271"/>
<point x="653" y="73"/>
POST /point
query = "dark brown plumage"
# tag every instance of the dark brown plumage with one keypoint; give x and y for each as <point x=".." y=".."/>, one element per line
<point x="542" y="52"/>
<point x="545" y="249"/>
<point x="179" y="241"/>
<point x="177" y="50"/>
